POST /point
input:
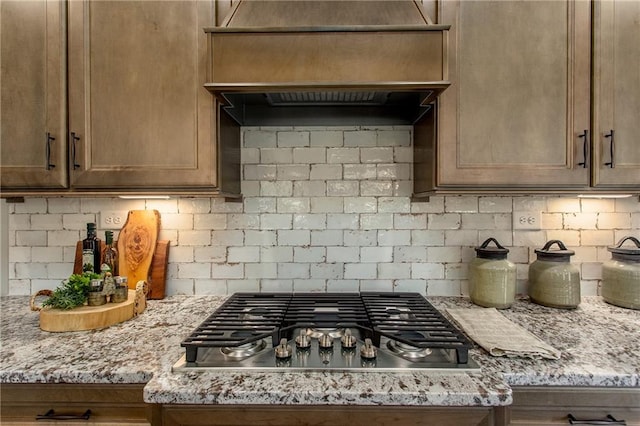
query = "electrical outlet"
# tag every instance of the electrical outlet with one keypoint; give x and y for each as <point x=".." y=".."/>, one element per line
<point x="527" y="220"/>
<point x="113" y="219"/>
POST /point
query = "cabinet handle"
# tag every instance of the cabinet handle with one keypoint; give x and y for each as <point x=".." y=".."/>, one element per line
<point x="49" y="140"/>
<point x="51" y="415"/>
<point x="611" y="149"/>
<point x="610" y="420"/>
<point x="74" y="140"/>
<point x="585" y="148"/>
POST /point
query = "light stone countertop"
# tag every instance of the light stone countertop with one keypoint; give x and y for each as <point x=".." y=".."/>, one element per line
<point x="600" y="346"/>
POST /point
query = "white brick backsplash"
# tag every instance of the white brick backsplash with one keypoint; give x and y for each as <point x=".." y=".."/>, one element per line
<point x="277" y="286"/>
<point x="209" y="221"/>
<point x="360" y="238"/>
<point x="293" y="139"/>
<point x="409" y="254"/>
<point x="327" y="205"/>
<point x="327" y="270"/>
<point x="276" y="221"/>
<point x="245" y="254"/>
<point x="227" y="270"/>
<point x="292" y="172"/>
<point x="376" y="155"/>
<point x="309" y="155"/>
<point x="376" y="254"/>
<point x="360" y="271"/>
<point x="394" y="237"/>
<point x="310" y="221"/>
<point x="343" y="285"/>
<point x="360" y="205"/>
<point x="293" y="205"/>
<point x="259" y="172"/>
<point x="324" y="209"/>
<point x="326" y="237"/>
<point x="326" y="138"/>
<point x="261" y="270"/>
<point x="215" y="254"/>
<point x="343" y="254"/>
<point x="359" y="171"/>
<point x="360" y="138"/>
<point x="410" y="221"/>
<point x="376" y="221"/>
<point x="394" y="271"/>
<point x="276" y="254"/>
<point x="376" y="188"/>
<point x="223" y="238"/>
<point x="310" y="285"/>
<point x="310" y="188"/>
<point x="294" y="238"/>
<point x="259" y="139"/>
<point x="343" y="155"/>
<point x="326" y="171"/>
<point x="293" y="270"/>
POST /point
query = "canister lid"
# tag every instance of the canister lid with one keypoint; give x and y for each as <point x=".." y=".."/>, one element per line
<point x="486" y="252"/>
<point x="626" y="253"/>
<point x="560" y="255"/>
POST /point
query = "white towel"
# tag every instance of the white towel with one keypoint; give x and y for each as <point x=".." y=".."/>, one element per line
<point x="499" y="336"/>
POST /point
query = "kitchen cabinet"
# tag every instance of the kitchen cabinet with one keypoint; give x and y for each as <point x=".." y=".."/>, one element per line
<point x="519" y="115"/>
<point x="616" y="94"/>
<point x="33" y="94"/>
<point x="551" y="405"/>
<point x="323" y="415"/>
<point x="139" y="118"/>
<point x="109" y="403"/>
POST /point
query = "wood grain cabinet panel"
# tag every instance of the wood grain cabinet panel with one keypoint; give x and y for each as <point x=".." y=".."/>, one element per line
<point x="33" y="112"/>
<point x="519" y="98"/>
<point x="616" y="103"/>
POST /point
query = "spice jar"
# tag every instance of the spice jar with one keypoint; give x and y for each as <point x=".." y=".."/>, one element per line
<point x="492" y="278"/>
<point x="96" y="296"/>
<point x="553" y="280"/>
<point x="121" y="292"/>
<point x="621" y="275"/>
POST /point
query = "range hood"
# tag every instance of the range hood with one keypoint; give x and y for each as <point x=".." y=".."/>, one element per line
<point x="327" y="62"/>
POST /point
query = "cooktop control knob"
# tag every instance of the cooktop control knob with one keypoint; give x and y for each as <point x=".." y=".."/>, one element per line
<point x="303" y="341"/>
<point x="283" y="351"/>
<point x="325" y="341"/>
<point x="348" y="340"/>
<point x="368" y="351"/>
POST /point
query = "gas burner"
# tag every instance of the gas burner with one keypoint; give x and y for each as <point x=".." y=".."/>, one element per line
<point x="408" y="351"/>
<point x="254" y="313"/>
<point x="316" y="333"/>
<point x="243" y="351"/>
<point x="399" y="313"/>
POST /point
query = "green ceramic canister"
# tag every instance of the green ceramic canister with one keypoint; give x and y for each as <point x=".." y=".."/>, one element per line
<point x="553" y="280"/>
<point x="621" y="275"/>
<point x="492" y="278"/>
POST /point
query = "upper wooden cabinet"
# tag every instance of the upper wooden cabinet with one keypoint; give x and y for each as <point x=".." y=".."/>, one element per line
<point x="33" y="94"/>
<point x="139" y="117"/>
<point x="518" y="107"/>
<point x="616" y="91"/>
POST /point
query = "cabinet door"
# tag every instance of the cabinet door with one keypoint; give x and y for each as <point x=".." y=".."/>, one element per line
<point x="519" y="98"/>
<point x="617" y="94"/>
<point x="138" y="110"/>
<point x="33" y="110"/>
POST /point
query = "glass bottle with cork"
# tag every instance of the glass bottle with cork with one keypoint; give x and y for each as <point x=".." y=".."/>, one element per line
<point x="91" y="250"/>
<point x="110" y="253"/>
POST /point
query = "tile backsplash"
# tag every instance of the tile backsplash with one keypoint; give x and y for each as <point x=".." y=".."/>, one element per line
<point x="324" y="209"/>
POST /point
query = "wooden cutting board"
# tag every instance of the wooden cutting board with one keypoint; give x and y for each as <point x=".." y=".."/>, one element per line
<point x="89" y="317"/>
<point x="136" y="245"/>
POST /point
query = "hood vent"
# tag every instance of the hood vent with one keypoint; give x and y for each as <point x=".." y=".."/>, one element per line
<point x="326" y="62"/>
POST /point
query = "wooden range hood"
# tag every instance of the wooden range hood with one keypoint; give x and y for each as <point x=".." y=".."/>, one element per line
<point x="320" y="62"/>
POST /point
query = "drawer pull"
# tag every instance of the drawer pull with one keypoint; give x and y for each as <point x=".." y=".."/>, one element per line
<point x="610" y="420"/>
<point x="51" y="415"/>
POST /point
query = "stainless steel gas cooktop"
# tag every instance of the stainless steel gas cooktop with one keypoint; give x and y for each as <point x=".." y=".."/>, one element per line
<point x="326" y="331"/>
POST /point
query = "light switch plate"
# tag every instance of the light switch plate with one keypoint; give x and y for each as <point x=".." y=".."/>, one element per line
<point x="530" y="220"/>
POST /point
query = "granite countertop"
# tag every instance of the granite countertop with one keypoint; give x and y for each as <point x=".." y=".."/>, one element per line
<point x="599" y="343"/>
